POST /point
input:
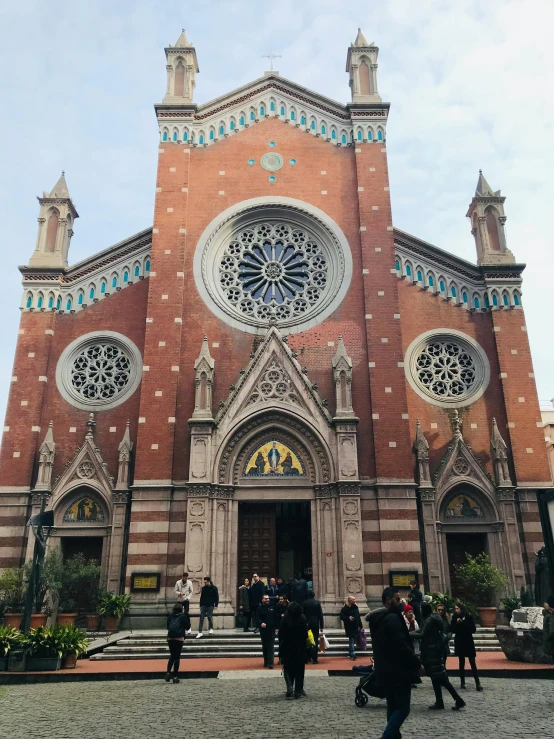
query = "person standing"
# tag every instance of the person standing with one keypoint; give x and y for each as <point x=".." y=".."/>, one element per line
<point x="273" y="591"/>
<point x="257" y="590"/>
<point x="548" y="626"/>
<point x="434" y="648"/>
<point x="244" y="603"/>
<point x="209" y="601"/>
<point x="396" y="665"/>
<point x="415" y="598"/>
<point x="299" y="589"/>
<point x="409" y="618"/>
<point x="293" y="633"/>
<point x="463" y="628"/>
<point x="314" y="617"/>
<point x="265" y="622"/>
<point x="184" y="590"/>
<point x="178" y="624"/>
<point x="350" y="617"/>
<point x="282" y="588"/>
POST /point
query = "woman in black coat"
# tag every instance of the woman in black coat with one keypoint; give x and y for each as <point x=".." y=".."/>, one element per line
<point x="463" y="628"/>
<point x="434" y="648"/>
<point x="293" y="632"/>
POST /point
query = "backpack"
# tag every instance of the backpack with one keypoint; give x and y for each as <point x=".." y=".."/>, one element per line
<point x="175" y="627"/>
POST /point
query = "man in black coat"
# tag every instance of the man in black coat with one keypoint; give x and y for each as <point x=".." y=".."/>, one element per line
<point x="265" y="622"/>
<point x="396" y="664"/>
<point x="257" y="590"/>
<point x="299" y="589"/>
<point x="273" y="591"/>
<point x="350" y="617"/>
<point x="415" y="599"/>
<point x="314" y="616"/>
<point x="209" y="601"/>
<point x="283" y="588"/>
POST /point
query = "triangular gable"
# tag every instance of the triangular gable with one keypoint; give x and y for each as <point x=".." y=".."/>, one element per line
<point x="273" y="376"/>
<point x="86" y="468"/>
<point x="460" y="465"/>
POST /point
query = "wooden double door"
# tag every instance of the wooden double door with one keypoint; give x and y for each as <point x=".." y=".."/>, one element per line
<point x="457" y="545"/>
<point x="274" y="539"/>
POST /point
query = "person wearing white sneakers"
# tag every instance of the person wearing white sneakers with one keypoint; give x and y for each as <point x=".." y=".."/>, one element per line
<point x="209" y="601"/>
<point x="183" y="589"/>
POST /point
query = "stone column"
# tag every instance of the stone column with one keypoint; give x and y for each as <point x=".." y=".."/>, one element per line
<point x="325" y="551"/>
<point x="198" y="537"/>
<point x="223" y="552"/>
<point x="432" y="539"/>
<point x="351" y="566"/>
<point x="116" y="540"/>
<point x="511" y="543"/>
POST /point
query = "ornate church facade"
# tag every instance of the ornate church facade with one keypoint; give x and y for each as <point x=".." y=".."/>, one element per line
<point x="273" y="378"/>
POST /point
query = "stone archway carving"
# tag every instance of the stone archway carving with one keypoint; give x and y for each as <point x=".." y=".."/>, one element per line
<point x="294" y="427"/>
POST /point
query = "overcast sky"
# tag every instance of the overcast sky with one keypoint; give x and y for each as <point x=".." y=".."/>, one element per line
<point x="471" y="85"/>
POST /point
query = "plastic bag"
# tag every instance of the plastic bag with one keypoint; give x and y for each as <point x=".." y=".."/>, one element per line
<point x="310" y="641"/>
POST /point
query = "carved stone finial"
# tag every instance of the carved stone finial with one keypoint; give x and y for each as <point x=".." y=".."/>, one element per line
<point x="456" y="423"/>
<point x="204" y="375"/>
<point x="46" y="454"/>
<point x="125" y="448"/>
<point x="342" y="374"/>
<point x="499" y="454"/>
<point x="90" y="424"/>
<point x="421" y="448"/>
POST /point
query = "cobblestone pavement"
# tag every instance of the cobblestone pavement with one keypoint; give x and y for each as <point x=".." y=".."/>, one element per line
<point x="252" y="708"/>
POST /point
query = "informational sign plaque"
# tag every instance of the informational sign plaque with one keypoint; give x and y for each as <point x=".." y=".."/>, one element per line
<point x="145" y="582"/>
<point x="401" y="578"/>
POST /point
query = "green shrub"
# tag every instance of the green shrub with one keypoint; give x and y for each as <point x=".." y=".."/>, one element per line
<point x="510" y="604"/>
<point x="114" y="606"/>
<point x="44" y="641"/>
<point x="13" y="589"/>
<point x="79" y="585"/>
<point x="444" y="599"/>
<point x="9" y="637"/>
<point x="481" y="579"/>
<point x="72" y="640"/>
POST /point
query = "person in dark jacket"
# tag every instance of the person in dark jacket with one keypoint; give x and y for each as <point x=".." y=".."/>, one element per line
<point x="415" y="598"/>
<point x="299" y="589"/>
<point x="244" y="603"/>
<point x="292" y="649"/>
<point x="273" y="591"/>
<point x="209" y="601"/>
<point x="265" y="622"/>
<point x="548" y="626"/>
<point x="463" y="628"/>
<point x="395" y="663"/>
<point x="257" y="591"/>
<point x="314" y="617"/>
<point x="283" y="588"/>
<point x="178" y="623"/>
<point x="434" y="648"/>
<point x="350" y="617"/>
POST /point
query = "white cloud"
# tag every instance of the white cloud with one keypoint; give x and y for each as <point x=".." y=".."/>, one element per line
<point x="470" y="85"/>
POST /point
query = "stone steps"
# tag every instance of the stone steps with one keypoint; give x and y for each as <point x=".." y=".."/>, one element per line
<point x="229" y="643"/>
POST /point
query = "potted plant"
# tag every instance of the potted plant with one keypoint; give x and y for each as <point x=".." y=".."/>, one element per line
<point x="9" y="637"/>
<point x="510" y="604"/>
<point x="44" y="647"/>
<point x="444" y="599"/>
<point x="112" y="607"/>
<point x="74" y="642"/>
<point x="13" y="588"/>
<point x="482" y="581"/>
<point x="88" y="589"/>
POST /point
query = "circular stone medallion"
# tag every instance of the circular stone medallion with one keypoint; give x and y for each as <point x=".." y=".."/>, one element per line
<point x="272" y="161"/>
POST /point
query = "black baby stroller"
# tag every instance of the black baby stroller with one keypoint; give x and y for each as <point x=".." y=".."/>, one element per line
<point x="367" y="687"/>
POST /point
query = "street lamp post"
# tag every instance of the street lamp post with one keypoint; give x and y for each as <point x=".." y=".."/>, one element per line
<point x="41" y="524"/>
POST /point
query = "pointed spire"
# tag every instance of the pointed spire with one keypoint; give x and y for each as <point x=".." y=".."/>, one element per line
<point x="126" y="440"/>
<point x="59" y="190"/>
<point x="182" y="41"/>
<point x="361" y="40"/>
<point x="90" y="424"/>
<point x="483" y="187"/>
<point x="205" y="355"/>
<point x="341" y="354"/>
<point x="46" y="454"/>
<point x="49" y="438"/>
<point x="421" y="443"/>
<point x="499" y="453"/>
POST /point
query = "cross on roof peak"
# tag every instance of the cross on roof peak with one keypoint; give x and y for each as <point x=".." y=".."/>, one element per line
<point x="271" y="56"/>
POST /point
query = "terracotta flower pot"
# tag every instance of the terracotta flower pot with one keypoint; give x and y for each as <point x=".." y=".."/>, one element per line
<point x="13" y="619"/>
<point x="66" y="619"/>
<point x="38" y="619"/>
<point x="111" y="623"/>
<point x="487" y="617"/>
<point x="69" y="661"/>
<point x="93" y="622"/>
